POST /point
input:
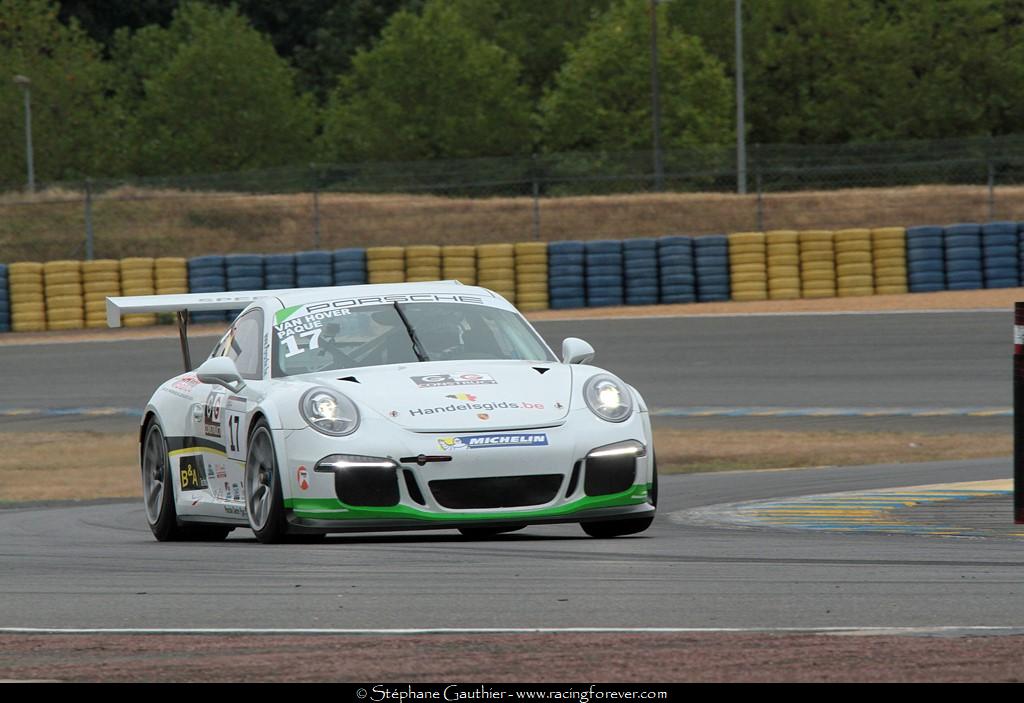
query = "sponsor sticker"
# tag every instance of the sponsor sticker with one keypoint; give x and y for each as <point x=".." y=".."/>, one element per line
<point x="211" y="413"/>
<point x="483" y="416"/>
<point x="192" y="473"/>
<point x="438" y="380"/>
<point x="462" y="396"/>
<point x="488" y="441"/>
<point x="302" y="476"/>
<point x="459" y="407"/>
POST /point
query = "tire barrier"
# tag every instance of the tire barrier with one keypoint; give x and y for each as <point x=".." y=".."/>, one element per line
<point x="206" y="275"/>
<point x="458" y="263"/>
<point x="566" y="280"/>
<point x="677" y="277"/>
<point x="5" y="301"/>
<point x="27" y="296"/>
<point x="855" y="274"/>
<point x="640" y="271"/>
<point x="532" y="276"/>
<point x="65" y="307"/>
<point x="385" y="264"/>
<point x="926" y="259"/>
<point x="889" y="256"/>
<point x="137" y="279"/>
<point x="245" y="271"/>
<point x="170" y="275"/>
<point x="783" y="259"/>
<point x="748" y="265"/>
<point x="711" y="266"/>
<point x="101" y="278"/>
<point x="349" y="267"/>
<point x="279" y="271"/>
<point x="314" y="269"/>
<point x="422" y="263"/>
<point x="603" y="267"/>
<point x="999" y="255"/>
<point x="496" y="269"/>
<point x="963" y="257"/>
<point x="817" y="264"/>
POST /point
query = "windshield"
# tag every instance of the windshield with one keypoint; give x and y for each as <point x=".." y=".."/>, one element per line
<point x="372" y="335"/>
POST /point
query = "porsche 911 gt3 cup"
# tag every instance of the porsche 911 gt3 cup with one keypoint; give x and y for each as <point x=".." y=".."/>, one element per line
<point x="387" y="407"/>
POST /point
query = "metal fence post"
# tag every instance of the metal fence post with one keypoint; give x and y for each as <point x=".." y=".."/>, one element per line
<point x="991" y="191"/>
<point x="316" y="206"/>
<point x="536" y="199"/>
<point x="760" y="200"/>
<point x="89" y="237"/>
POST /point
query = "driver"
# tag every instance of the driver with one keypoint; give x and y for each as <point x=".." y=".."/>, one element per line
<point x="441" y="337"/>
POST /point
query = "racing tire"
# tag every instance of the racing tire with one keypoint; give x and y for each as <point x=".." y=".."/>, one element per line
<point x="605" y="529"/>
<point x="487" y="532"/>
<point x="158" y="495"/>
<point x="264" y="503"/>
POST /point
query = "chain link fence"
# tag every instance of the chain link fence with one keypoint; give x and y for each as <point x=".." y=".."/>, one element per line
<point x="543" y="197"/>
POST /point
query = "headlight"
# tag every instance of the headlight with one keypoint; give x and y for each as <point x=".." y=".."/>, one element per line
<point x="329" y="412"/>
<point x="608" y="398"/>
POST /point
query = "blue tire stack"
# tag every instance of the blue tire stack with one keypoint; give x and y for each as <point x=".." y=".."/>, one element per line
<point x="604" y="273"/>
<point x="926" y="268"/>
<point x="5" y="301"/>
<point x="640" y="262"/>
<point x="349" y="267"/>
<point x="675" y="269"/>
<point x="314" y="269"/>
<point x="278" y="271"/>
<point x="206" y="275"/>
<point x="711" y="265"/>
<point x="963" y="257"/>
<point x="244" y="271"/>
<point x="999" y="252"/>
<point x="566" y="280"/>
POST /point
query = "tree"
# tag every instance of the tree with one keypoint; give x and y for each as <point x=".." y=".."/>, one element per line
<point x="70" y="119"/>
<point x="212" y="95"/>
<point x="430" y="88"/>
<point x="601" y="98"/>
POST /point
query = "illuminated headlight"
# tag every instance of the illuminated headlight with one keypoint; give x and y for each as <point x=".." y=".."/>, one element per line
<point x="329" y="412"/>
<point x="608" y="398"/>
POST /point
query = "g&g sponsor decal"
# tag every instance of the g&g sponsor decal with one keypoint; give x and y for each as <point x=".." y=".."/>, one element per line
<point x="438" y="380"/>
<point x="489" y="441"/>
<point x="192" y="473"/>
<point x="211" y="413"/>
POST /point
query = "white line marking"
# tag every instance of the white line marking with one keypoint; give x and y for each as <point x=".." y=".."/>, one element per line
<point x="852" y="629"/>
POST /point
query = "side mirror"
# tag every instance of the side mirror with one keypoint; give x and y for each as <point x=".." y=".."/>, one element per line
<point x="220" y="371"/>
<point x="576" y="351"/>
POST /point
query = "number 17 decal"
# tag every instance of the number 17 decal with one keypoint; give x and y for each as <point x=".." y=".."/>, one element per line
<point x="235" y="439"/>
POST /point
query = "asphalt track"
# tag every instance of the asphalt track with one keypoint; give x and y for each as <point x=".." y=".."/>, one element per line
<point x="96" y="566"/>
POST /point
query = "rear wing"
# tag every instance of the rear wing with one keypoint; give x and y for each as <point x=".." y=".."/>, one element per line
<point x="182" y="303"/>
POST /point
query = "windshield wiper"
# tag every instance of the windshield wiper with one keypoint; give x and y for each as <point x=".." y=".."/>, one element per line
<point x="416" y="346"/>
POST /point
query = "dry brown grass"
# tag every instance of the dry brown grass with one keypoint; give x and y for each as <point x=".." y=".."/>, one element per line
<point x="137" y="222"/>
<point x="691" y="451"/>
<point x="36" y="466"/>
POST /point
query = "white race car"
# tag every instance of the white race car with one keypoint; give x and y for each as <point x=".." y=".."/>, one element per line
<point x="387" y="407"/>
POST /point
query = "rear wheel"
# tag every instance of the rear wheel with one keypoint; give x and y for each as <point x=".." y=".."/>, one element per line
<point x="158" y="494"/>
<point x="631" y="526"/>
<point x="487" y="532"/>
<point x="263" y="498"/>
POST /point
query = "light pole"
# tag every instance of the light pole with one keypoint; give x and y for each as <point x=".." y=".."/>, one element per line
<point x="741" y="123"/>
<point x="659" y="175"/>
<point x="25" y="84"/>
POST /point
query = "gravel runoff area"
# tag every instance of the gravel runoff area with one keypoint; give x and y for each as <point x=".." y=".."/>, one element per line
<point x="997" y="299"/>
<point x="580" y="658"/>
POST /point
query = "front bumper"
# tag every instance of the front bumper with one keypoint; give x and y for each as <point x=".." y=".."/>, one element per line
<point x="424" y="497"/>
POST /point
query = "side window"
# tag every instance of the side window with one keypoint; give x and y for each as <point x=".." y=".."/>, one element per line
<point x="245" y="348"/>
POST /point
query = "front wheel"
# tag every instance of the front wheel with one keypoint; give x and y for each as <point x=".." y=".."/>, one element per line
<point x="263" y="499"/>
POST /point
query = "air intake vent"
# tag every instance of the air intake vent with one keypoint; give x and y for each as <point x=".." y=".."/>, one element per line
<point x="541" y="370"/>
<point x="351" y="379"/>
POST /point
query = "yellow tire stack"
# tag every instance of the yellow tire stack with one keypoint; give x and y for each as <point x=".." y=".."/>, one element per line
<point x="65" y="307"/>
<point x="532" y="276"/>
<point x="459" y="263"/>
<point x="100" y="279"/>
<point x="170" y="275"/>
<point x="783" y="248"/>
<point x="854" y="263"/>
<point x="137" y="279"/>
<point x="748" y="266"/>
<point x="28" y="298"/>
<point x="817" y="264"/>
<point x="496" y="269"/>
<point x="423" y="263"/>
<point x="385" y="264"/>
<point x="889" y="252"/>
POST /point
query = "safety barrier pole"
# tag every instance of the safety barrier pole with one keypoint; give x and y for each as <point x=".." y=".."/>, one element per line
<point x="1018" y="413"/>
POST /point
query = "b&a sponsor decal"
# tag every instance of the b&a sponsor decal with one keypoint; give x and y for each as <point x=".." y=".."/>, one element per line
<point x="192" y="473"/>
<point x="488" y="441"/>
<point x="437" y="380"/>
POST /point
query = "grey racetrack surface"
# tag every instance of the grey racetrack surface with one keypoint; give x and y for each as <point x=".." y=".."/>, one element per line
<point x="97" y="565"/>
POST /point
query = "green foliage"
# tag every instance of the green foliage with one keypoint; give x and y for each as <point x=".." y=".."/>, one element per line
<point x="602" y="95"/>
<point x="209" y="93"/>
<point x="70" y="121"/>
<point x="430" y="88"/>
